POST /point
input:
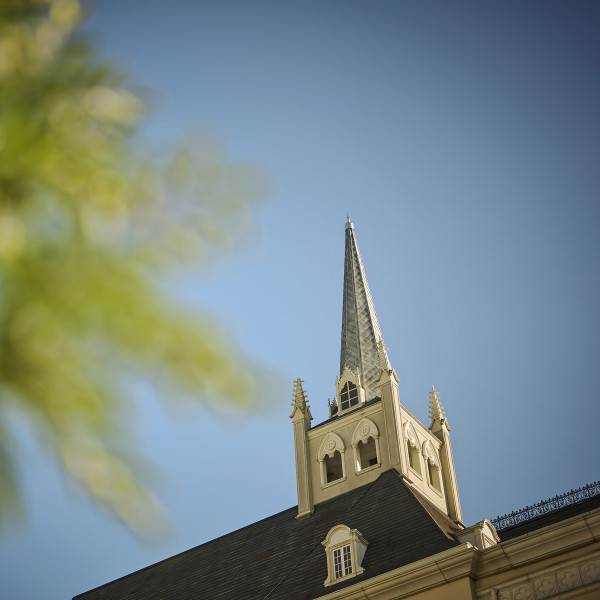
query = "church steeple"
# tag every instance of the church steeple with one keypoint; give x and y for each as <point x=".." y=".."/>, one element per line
<point x="368" y="430"/>
<point x="362" y="342"/>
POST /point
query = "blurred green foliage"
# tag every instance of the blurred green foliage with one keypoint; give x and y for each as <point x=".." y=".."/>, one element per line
<point x="89" y="229"/>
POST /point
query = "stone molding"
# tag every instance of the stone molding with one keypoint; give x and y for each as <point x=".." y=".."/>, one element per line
<point x="331" y="442"/>
<point x="549" y="582"/>
<point x="363" y="431"/>
<point x="430" y="454"/>
<point x="418" y="577"/>
<point x="410" y="435"/>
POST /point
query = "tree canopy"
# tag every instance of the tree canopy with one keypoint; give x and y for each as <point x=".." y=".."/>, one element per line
<point x="90" y="226"/>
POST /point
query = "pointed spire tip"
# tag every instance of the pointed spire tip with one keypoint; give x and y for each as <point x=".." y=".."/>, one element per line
<point x="436" y="410"/>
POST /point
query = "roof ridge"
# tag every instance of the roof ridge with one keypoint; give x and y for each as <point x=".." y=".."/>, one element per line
<point x="424" y="509"/>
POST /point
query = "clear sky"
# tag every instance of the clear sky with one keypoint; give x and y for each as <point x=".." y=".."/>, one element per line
<point x="463" y="140"/>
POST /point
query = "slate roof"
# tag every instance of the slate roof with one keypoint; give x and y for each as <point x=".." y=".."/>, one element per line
<point x="282" y="557"/>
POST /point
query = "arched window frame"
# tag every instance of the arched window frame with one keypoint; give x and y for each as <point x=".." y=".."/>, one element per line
<point x="338" y="538"/>
<point x="331" y="443"/>
<point x="348" y="376"/>
<point x="362" y="432"/>
<point x="413" y="447"/>
<point x="433" y="467"/>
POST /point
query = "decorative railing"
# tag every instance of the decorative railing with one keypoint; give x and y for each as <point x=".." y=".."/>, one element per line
<point x="547" y="506"/>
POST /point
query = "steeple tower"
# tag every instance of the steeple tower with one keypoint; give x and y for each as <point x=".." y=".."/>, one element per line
<point x="362" y="342"/>
<point x="368" y="430"/>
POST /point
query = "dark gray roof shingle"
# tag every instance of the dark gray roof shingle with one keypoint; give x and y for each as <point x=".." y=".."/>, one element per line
<point x="281" y="557"/>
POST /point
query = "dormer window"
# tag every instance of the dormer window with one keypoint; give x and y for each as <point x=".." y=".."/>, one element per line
<point x="342" y="561"/>
<point x="348" y="391"/>
<point x="345" y="550"/>
<point x="349" y="395"/>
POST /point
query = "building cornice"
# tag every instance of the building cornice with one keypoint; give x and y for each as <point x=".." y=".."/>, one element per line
<point x="536" y="546"/>
<point x="466" y="561"/>
<point x="350" y="417"/>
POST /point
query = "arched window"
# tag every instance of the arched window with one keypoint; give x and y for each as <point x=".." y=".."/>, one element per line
<point x="345" y="550"/>
<point x="365" y="441"/>
<point x="349" y="395"/>
<point x="367" y="454"/>
<point x="412" y="448"/>
<point x="333" y="467"/>
<point x="331" y="459"/>
<point x="434" y="475"/>
<point x="432" y="462"/>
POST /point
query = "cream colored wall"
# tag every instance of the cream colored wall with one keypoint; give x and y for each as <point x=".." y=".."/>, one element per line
<point x="420" y="481"/>
<point x="462" y="589"/>
<point x="390" y="418"/>
<point x="561" y="560"/>
<point x="344" y="426"/>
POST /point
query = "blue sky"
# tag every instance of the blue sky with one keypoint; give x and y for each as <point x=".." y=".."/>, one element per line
<point x="463" y="140"/>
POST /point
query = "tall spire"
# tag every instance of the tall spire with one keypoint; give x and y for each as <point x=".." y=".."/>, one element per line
<point x="362" y="342"/>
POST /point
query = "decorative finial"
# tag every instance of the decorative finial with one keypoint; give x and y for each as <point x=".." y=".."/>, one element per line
<point x="436" y="410"/>
<point x="349" y="224"/>
<point x="384" y="361"/>
<point x="299" y="398"/>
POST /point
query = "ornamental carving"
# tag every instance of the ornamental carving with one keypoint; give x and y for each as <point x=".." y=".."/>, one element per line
<point x="590" y="571"/>
<point x="329" y="445"/>
<point x="430" y="454"/>
<point x="348" y="374"/>
<point x="363" y="431"/>
<point x="549" y="584"/>
<point x="568" y="579"/>
<point x="411" y="436"/>
<point x="547" y="506"/>
<point x="545" y="587"/>
<point x="523" y="592"/>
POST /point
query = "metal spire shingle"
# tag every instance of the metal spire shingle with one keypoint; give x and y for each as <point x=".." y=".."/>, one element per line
<point x="361" y="334"/>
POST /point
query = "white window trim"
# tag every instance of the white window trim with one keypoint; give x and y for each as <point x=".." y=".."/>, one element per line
<point x="358" y="546"/>
<point x="368" y="469"/>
